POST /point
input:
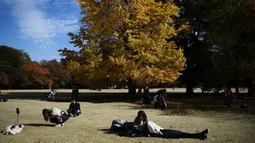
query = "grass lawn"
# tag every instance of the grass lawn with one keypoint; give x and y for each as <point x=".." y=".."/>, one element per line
<point x="224" y="125"/>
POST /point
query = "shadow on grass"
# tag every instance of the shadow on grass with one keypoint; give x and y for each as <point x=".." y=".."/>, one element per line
<point x="178" y="103"/>
<point x="184" y="105"/>
<point x="39" y="125"/>
<point x="121" y="134"/>
<point x="106" y="131"/>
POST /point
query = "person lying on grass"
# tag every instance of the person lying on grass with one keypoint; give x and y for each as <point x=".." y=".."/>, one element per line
<point x="74" y="108"/>
<point x="55" y="115"/>
<point x="143" y="127"/>
<point x="151" y="129"/>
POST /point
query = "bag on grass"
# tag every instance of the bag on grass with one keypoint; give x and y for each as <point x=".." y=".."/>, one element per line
<point x="13" y="129"/>
<point x="118" y="126"/>
<point x="121" y="126"/>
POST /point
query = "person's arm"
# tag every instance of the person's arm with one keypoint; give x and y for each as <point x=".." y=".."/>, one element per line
<point x="78" y="106"/>
<point x="136" y="124"/>
<point x="154" y="128"/>
<point x="70" y="107"/>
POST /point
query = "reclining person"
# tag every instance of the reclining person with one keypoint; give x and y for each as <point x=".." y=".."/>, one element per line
<point x="74" y="108"/>
<point x="55" y="115"/>
<point x="152" y="129"/>
<point x="125" y="128"/>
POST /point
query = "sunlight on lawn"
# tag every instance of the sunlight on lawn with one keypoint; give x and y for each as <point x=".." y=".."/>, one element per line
<point x="97" y="117"/>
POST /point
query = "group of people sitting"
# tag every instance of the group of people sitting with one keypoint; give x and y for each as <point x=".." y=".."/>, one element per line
<point x="59" y="117"/>
<point x="144" y="127"/>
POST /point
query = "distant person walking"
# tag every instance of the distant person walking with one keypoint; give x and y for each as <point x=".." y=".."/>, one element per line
<point x="146" y="97"/>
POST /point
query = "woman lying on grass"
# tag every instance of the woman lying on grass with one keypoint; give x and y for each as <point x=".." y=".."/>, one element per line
<point x="142" y="126"/>
<point x="55" y="115"/>
<point x="149" y="128"/>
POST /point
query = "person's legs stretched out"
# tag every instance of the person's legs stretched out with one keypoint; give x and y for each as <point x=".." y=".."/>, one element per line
<point x="167" y="133"/>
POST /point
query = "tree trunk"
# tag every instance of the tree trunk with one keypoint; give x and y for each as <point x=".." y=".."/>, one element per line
<point x="250" y="89"/>
<point x="189" y="79"/>
<point x="189" y="88"/>
<point x="236" y="75"/>
<point x="131" y="87"/>
<point x="237" y="89"/>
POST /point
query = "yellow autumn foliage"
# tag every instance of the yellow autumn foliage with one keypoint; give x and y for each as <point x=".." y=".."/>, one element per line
<point x="127" y="39"/>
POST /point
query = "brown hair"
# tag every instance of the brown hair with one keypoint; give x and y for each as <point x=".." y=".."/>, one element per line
<point x="142" y="114"/>
<point x="46" y="114"/>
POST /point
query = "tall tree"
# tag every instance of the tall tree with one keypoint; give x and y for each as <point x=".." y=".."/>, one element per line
<point x="231" y="31"/>
<point x="11" y="61"/>
<point x="192" y="24"/>
<point x="126" y="41"/>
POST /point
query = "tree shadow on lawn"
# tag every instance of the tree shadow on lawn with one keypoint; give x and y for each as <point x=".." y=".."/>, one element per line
<point x="39" y="125"/>
<point x="183" y="105"/>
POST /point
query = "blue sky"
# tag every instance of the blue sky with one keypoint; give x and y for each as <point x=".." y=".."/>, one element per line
<point x="39" y="27"/>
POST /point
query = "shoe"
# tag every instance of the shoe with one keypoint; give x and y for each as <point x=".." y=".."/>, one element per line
<point x="202" y="137"/>
<point x="205" y="132"/>
<point x="58" y="125"/>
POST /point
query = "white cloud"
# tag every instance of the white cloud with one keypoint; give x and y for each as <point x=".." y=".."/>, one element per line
<point x="36" y="25"/>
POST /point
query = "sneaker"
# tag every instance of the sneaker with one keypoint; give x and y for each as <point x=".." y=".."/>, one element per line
<point x="205" y="132"/>
<point x="202" y="137"/>
<point x="58" y="125"/>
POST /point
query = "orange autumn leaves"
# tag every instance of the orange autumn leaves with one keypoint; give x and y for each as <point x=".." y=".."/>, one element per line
<point x="35" y="74"/>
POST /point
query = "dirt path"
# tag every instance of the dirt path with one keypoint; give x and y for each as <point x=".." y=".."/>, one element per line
<point x="95" y="118"/>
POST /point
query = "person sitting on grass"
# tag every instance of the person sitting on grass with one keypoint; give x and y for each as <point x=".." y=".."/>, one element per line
<point x="74" y="108"/>
<point x="151" y="129"/>
<point x="159" y="100"/>
<point x="55" y="115"/>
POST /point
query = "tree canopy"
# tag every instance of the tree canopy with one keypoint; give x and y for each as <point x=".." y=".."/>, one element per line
<point x="126" y="40"/>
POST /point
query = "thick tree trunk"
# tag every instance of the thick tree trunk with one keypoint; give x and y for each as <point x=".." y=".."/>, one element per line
<point x="131" y="87"/>
<point x="250" y="90"/>
<point x="189" y="79"/>
<point x="189" y="88"/>
<point x="237" y="89"/>
<point x="236" y="82"/>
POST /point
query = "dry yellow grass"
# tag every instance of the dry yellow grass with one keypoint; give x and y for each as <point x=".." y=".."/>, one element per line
<point x="87" y="128"/>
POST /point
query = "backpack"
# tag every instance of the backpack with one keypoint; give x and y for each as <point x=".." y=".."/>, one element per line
<point x="121" y="126"/>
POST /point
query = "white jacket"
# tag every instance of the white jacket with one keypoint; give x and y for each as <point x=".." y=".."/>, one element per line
<point x="154" y="128"/>
<point x="56" y="112"/>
